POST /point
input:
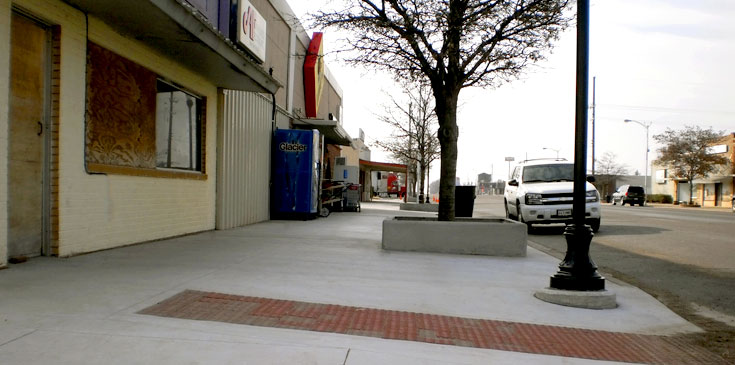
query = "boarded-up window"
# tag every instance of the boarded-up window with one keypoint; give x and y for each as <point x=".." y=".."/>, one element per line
<point x="121" y="111"/>
<point x="136" y="121"/>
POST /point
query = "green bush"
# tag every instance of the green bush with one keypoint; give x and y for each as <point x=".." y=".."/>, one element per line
<point x="660" y="198"/>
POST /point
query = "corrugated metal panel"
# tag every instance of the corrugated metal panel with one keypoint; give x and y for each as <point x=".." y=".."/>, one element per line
<point x="243" y="159"/>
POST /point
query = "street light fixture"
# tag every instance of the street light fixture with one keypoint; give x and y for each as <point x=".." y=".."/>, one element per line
<point x="644" y="125"/>
<point x="553" y="149"/>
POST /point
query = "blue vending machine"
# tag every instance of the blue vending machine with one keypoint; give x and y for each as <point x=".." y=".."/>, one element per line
<point x="296" y="168"/>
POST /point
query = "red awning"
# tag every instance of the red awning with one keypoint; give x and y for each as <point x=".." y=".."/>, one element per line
<point x="382" y="166"/>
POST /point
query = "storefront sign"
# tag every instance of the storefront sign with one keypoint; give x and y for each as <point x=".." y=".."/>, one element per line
<point x="314" y="75"/>
<point x="251" y="28"/>
<point x="722" y="148"/>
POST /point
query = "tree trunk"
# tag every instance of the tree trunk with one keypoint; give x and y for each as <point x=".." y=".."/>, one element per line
<point x="422" y="165"/>
<point x="446" y="112"/>
<point x="691" y="191"/>
<point x="428" y="182"/>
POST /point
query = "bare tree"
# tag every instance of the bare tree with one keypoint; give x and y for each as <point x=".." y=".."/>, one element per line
<point x="608" y="170"/>
<point x="687" y="153"/>
<point x="451" y="45"/>
<point x="413" y="139"/>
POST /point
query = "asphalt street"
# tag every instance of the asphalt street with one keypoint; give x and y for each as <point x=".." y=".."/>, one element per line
<point x="683" y="256"/>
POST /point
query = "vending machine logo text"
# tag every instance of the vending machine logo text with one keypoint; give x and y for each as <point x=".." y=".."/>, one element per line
<point x="292" y="147"/>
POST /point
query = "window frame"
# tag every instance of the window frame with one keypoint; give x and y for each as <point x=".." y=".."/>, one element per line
<point x="198" y="120"/>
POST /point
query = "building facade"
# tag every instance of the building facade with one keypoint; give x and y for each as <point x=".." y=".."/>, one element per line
<point x="715" y="190"/>
<point x="132" y="121"/>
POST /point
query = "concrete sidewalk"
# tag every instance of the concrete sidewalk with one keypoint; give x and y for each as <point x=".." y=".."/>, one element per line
<point x="85" y="309"/>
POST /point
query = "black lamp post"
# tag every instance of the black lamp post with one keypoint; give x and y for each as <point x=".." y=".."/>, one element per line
<point x="577" y="271"/>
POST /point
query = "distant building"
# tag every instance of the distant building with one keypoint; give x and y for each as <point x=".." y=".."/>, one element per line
<point x="484" y="183"/>
<point x="434" y="187"/>
<point x="361" y="147"/>
<point x="714" y="190"/>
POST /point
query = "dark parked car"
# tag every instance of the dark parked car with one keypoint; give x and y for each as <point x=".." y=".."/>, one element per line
<point x="630" y="194"/>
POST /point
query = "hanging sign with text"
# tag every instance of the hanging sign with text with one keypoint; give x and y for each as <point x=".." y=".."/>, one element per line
<point x="251" y="28"/>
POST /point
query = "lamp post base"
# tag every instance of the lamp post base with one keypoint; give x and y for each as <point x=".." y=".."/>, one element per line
<point x="577" y="271"/>
<point x="563" y="281"/>
<point x="601" y="299"/>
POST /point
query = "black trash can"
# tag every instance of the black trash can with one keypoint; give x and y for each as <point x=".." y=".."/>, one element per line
<point x="464" y="200"/>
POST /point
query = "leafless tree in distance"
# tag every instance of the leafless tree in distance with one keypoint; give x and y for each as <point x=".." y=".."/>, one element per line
<point x="608" y="170"/>
<point x="413" y="124"/>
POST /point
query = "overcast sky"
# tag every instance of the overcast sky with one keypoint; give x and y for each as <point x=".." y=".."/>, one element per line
<point x="668" y="62"/>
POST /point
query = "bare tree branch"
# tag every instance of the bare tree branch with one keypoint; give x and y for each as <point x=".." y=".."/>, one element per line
<point x="450" y="45"/>
<point x="413" y="122"/>
<point x="608" y="170"/>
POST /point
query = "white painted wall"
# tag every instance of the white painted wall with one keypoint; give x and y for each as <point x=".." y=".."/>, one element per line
<point x="4" y="110"/>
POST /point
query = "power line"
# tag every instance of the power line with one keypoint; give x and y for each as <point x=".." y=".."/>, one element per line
<point x="665" y="109"/>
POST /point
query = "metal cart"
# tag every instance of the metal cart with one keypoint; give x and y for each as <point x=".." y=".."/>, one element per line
<point x="351" y="198"/>
<point x="332" y="197"/>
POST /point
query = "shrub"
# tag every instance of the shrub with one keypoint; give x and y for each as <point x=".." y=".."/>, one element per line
<point x="660" y="198"/>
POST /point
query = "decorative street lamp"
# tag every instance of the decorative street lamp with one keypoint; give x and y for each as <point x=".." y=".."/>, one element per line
<point x="645" y="174"/>
<point x="553" y="149"/>
<point x="577" y="271"/>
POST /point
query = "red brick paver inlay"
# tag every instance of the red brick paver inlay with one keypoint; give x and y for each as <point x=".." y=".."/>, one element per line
<point x="421" y="327"/>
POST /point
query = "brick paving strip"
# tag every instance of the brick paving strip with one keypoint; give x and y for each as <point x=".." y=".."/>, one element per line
<point x="437" y="329"/>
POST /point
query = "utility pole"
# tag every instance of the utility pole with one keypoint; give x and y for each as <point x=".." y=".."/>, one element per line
<point x="594" y="79"/>
<point x="645" y="172"/>
<point x="410" y="155"/>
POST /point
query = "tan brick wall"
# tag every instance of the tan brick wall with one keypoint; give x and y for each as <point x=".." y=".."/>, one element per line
<point x="4" y="90"/>
<point x="277" y="34"/>
<point x="330" y="101"/>
<point x="299" y="103"/>
<point x="104" y="211"/>
<point x="352" y="156"/>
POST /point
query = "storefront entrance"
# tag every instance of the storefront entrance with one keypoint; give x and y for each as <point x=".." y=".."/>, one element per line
<point x="682" y="192"/>
<point x="718" y="194"/>
<point x="28" y="136"/>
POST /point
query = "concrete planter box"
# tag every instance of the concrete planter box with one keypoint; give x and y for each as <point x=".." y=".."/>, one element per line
<point x="420" y="207"/>
<point x="470" y="236"/>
